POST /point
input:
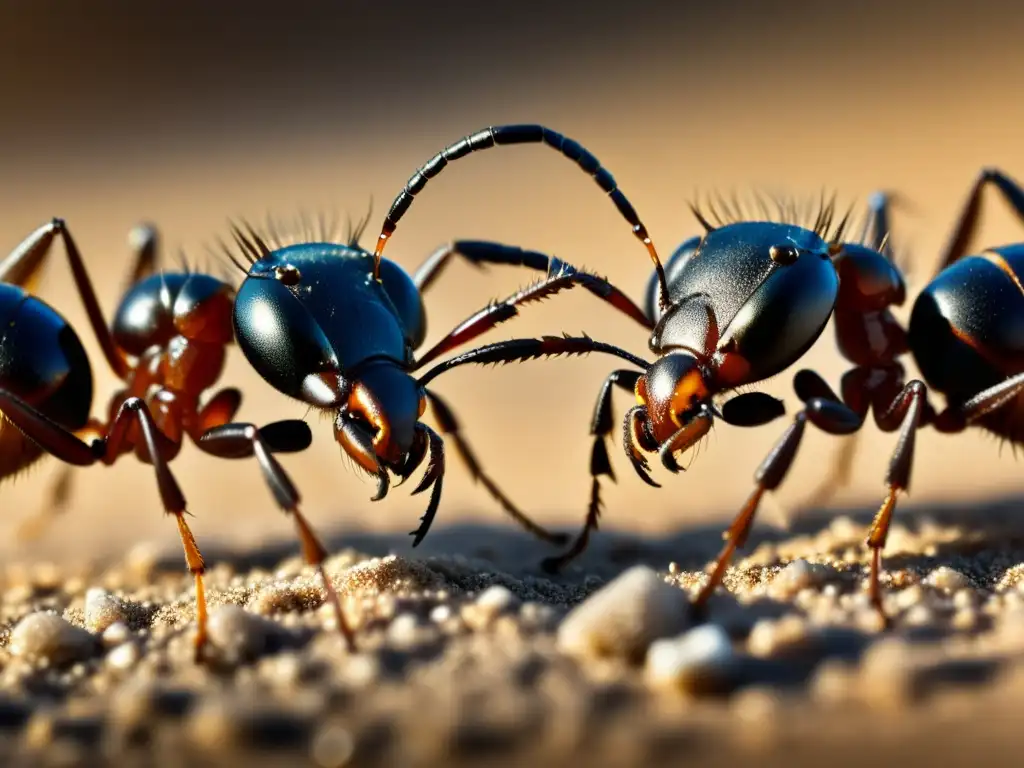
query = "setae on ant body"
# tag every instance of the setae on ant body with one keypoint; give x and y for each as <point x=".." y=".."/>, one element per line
<point x="747" y="299"/>
<point x="337" y="327"/>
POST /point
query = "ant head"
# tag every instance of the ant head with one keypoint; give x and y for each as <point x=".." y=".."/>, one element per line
<point x="383" y="406"/>
<point x="677" y="392"/>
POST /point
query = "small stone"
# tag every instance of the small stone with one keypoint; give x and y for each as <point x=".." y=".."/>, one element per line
<point x="797" y="576"/>
<point x="700" y="661"/>
<point x="48" y="637"/>
<point x="404" y="630"/>
<point x="491" y="603"/>
<point x="115" y="634"/>
<point x="124" y="656"/>
<point x="624" y="617"/>
<point x="887" y="674"/>
<point x="441" y="613"/>
<point x="333" y="747"/>
<point x="238" y="634"/>
<point x="919" y="615"/>
<point x="103" y="609"/>
<point x="948" y="579"/>
<point x="790" y="634"/>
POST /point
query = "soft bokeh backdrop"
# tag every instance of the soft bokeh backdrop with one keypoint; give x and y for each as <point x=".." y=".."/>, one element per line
<point x="189" y="117"/>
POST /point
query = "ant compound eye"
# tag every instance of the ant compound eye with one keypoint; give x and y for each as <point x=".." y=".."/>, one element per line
<point x="783" y="254"/>
<point x="288" y="274"/>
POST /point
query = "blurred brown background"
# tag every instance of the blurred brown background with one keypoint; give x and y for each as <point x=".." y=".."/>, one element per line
<point x="187" y="117"/>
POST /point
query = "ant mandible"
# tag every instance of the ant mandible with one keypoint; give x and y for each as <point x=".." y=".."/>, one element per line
<point x="749" y="298"/>
<point x="337" y="327"/>
<point x="166" y="343"/>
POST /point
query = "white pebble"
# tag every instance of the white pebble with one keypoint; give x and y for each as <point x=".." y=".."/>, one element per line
<point x="797" y="576"/>
<point x="489" y="604"/>
<point x="948" y="579"/>
<point x="123" y="656"/>
<point x="699" y="661"/>
<point x="441" y="613"/>
<point x="116" y="633"/>
<point x="790" y="634"/>
<point x="404" y="630"/>
<point x="237" y="633"/>
<point x="103" y="609"/>
<point x="624" y="617"/>
<point x="497" y="599"/>
<point x="46" y="636"/>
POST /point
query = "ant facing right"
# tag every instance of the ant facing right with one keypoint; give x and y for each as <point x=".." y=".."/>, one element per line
<point x="746" y="300"/>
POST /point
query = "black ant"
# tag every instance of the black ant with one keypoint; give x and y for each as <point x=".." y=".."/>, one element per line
<point x="167" y="343"/>
<point x="337" y="327"/>
<point x="747" y="299"/>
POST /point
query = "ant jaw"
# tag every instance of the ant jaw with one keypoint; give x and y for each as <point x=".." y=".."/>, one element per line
<point x="687" y="436"/>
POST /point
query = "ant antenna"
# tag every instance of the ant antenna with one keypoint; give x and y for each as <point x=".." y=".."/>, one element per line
<point x="519" y="134"/>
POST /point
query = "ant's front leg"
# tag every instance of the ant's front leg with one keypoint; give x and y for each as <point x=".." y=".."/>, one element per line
<point x="482" y="252"/>
<point x="824" y="409"/>
<point x="240" y="440"/>
<point x="451" y="428"/>
<point x="601" y="425"/>
<point x="561" y="276"/>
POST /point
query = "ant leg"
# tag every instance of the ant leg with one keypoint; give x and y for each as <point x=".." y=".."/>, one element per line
<point x="158" y="447"/>
<point x="905" y="412"/>
<point x="967" y="223"/>
<point x="521" y="350"/>
<point x="825" y="411"/>
<point x="601" y="425"/>
<point x="239" y="440"/>
<point x="561" y="277"/>
<point x="958" y="418"/>
<point x="219" y="410"/>
<point x="481" y="252"/>
<point x="450" y="428"/>
<point x="24" y="263"/>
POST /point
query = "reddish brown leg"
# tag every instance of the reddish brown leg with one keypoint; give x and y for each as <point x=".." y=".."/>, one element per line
<point x="157" y="449"/>
<point x="241" y="440"/>
<point x="906" y="412"/>
<point x="450" y="427"/>
<point x="561" y="276"/>
<point x="827" y="413"/>
<point x="481" y="252"/>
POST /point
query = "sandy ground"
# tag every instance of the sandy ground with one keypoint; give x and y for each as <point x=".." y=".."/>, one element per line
<point x="442" y="680"/>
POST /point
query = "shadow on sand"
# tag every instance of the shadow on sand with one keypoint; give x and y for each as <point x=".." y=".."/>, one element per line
<point x="996" y="526"/>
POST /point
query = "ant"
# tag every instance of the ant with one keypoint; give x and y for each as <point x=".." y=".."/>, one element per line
<point x="337" y="327"/>
<point x="746" y="300"/>
<point x="166" y="343"/>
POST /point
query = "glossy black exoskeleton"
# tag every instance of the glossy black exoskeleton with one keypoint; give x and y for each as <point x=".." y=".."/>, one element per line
<point x="338" y="327"/>
<point x="749" y="298"/>
<point x="166" y="343"/>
